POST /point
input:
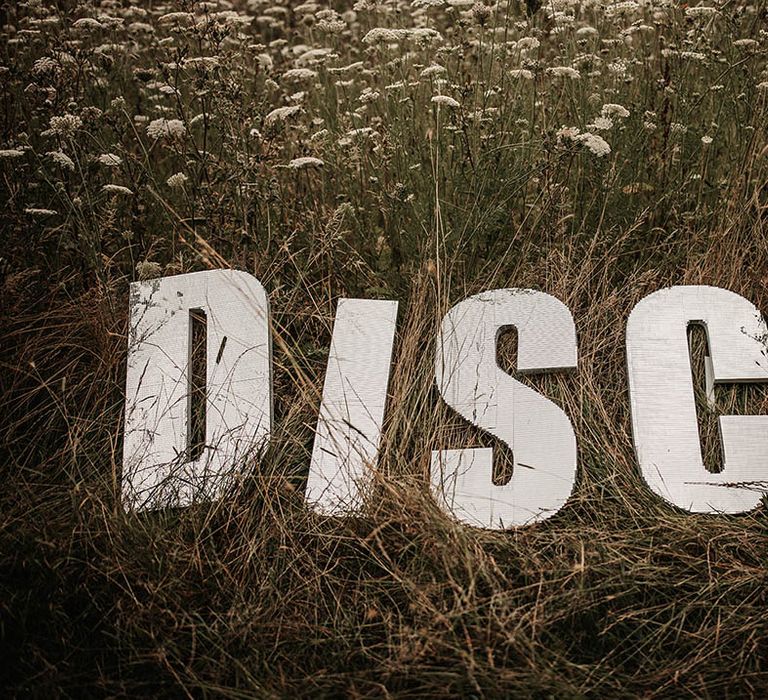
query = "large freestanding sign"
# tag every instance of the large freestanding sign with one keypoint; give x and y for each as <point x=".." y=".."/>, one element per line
<point x="161" y="469"/>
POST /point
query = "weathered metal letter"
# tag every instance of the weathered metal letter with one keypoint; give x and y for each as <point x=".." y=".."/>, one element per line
<point x="539" y="433"/>
<point x="661" y="392"/>
<point x="352" y="409"/>
<point x="157" y="467"/>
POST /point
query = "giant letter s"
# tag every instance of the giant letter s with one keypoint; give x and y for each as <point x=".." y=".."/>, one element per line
<point x="539" y="433"/>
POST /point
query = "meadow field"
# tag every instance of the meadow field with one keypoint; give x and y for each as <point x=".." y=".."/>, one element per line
<point x="419" y="151"/>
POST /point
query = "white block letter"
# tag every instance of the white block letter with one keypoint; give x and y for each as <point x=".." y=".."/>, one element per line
<point x="538" y="432"/>
<point x="664" y="423"/>
<point x="157" y="469"/>
<point x="352" y="409"/>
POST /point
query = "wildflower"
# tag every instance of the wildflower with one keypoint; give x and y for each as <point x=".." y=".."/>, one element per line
<point x="176" y="18"/>
<point x="481" y="13"/>
<point x="313" y="56"/>
<point x="281" y="114"/>
<point x="621" y="7"/>
<point x="601" y="124"/>
<point x="319" y="135"/>
<point x="61" y="159"/>
<point x="692" y="55"/>
<point x="177" y="180"/>
<point x="423" y="34"/>
<point x="445" y="100"/>
<point x="347" y="69"/>
<point x="87" y="23"/>
<point x="521" y="73"/>
<point x="528" y="43"/>
<point x="140" y="27"/>
<point x="116" y="189"/>
<point x="148" y="269"/>
<point x="46" y="65"/>
<point x="594" y="143"/>
<point x="65" y="125"/>
<point x="305" y="162"/>
<point x="700" y="11"/>
<point x="203" y="61"/>
<point x="677" y="129"/>
<point x="746" y="43"/>
<point x="564" y="72"/>
<point x="265" y="61"/>
<point x="362" y="131"/>
<point x="110" y="160"/>
<point x="432" y="71"/>
<point x="614" y="110"/>
<point x="369" y="95"/>
<point x="11" y="153"/>
<point x="330" y="21"/>
<point x="617" y="68"/>
<point x="166" y="129"/>
<point x="706" y="140"/>
<point x="300" y="74"/>
<point x="382" y="35"/>
<point x="567" y="132"/>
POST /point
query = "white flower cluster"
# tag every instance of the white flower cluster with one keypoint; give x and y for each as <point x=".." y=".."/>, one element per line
<point x="281" y="114"/>
<point x="596" y="144"/>
<point x="305" y="162"/>
<point x="166" y="129"/>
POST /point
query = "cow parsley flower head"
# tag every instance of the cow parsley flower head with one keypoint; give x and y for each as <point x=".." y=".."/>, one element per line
<point x="432" y="71"/>
<point x="614" y="110"/>
<point x="601" y="124"/>
<point x="11" y="153"/>
<point x="445" y="101"/>
<point x="62" y="159"/>
<point x="65" y="125"/>
<point x="564" y="72"/>
<point x="305" y="162"/>
<point x="677" y="129"/>
<point x="116" y="189"/>
<point x="383" y="35"/>
<point x="177" y="180"/>
<point x="567" y="132"/>
<point x="297" y="74"/>
<point x="528" y="43"/>
<point x="521" y="73"/>
<point x="166" y="129"/>
<point x="87" y="23"/>
<point x="110" y="160"/>
<point x="281" y="114"/>
<point x="369" y="95"/>
<point x="596" y="144"/>
<point x="701" y="11"/>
